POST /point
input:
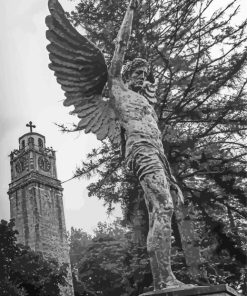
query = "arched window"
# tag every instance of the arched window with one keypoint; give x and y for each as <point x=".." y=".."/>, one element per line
<point x="31" y="141"/>
<point x="23" y="144"/>
<point x="40" y="143"/>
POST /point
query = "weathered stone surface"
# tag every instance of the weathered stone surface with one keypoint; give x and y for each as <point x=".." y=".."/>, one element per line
<point x="36" y="202"/>
<point x="220" y="290"/>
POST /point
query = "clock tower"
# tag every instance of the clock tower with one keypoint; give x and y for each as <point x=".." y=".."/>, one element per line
<point x="36" y="200"/>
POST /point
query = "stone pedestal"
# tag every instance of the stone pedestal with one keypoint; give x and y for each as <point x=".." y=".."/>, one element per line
<point x="220" y="290"/>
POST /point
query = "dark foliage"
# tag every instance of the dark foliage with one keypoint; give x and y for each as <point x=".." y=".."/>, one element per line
<point x="24" y="272"/>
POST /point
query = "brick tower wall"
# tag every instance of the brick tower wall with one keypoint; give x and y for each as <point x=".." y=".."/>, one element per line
<point x="36" y="204"/>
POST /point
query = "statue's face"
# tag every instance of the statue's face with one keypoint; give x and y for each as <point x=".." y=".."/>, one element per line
<point x="138" y="77"/>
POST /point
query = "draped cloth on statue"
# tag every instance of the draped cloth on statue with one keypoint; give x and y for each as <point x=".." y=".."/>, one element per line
<point x="144" y="157"/>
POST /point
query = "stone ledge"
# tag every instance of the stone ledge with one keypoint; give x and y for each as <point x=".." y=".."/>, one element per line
<point x="220" y="290"/>
<point x="34" y="177"/>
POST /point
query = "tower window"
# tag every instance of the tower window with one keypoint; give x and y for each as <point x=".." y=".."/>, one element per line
<point x="23" y="144"/>
<point x="40" y="143"/>
<point x="31" y="140"/>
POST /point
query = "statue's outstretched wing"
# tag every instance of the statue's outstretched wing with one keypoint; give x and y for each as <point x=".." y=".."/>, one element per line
<point x="81" y="70"/>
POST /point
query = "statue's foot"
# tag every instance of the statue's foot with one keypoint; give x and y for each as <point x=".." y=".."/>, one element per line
<point x="174" y="283"/>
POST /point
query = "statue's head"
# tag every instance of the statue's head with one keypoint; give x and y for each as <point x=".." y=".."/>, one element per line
<point x="135" y="73"/>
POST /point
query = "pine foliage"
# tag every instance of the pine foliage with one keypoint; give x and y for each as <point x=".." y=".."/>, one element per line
<point x="24" y="272"/>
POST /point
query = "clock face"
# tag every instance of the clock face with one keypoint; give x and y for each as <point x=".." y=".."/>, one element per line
<point x="44" y="163"/>
<point x="20" y="165"/>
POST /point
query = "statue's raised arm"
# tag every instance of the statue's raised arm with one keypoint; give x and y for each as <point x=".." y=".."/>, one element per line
<point x="122" y="40"/>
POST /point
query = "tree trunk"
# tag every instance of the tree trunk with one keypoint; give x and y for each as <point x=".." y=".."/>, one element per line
<point x="190" y="243"/>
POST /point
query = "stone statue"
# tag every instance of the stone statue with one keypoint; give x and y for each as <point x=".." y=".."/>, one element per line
<point x="127" y="116"/>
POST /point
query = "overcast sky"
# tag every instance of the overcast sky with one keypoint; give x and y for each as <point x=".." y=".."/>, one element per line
<point x="29" y="91"/>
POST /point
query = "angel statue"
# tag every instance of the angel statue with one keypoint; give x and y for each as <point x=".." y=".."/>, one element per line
<point x="81" y="70"/>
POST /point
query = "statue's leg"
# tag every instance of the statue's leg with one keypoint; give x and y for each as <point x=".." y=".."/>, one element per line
<point x="160" y="208"/>
<point x="152" y="255"/>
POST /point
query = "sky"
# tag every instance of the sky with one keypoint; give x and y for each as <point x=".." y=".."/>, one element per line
<point x="29" y="91"/>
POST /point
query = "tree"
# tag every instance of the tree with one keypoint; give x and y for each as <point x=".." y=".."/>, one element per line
<point x="78" y="242"/>
<point x="25" y="272"/>
<point x="111" y="264"/>
<point x="199" y="60"/>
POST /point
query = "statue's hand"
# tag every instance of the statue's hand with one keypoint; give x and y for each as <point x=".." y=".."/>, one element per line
<point x="134" y="4"/>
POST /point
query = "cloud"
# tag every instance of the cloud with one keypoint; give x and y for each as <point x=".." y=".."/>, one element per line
<point x="21" y="14"/>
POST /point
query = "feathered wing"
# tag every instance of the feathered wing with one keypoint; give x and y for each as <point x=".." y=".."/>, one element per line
<point x="81" y="70"/>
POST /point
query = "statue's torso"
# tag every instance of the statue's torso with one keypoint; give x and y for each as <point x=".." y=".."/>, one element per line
<point x="136" y="116"/>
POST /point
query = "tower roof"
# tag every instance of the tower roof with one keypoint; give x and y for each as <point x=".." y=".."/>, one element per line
<point x="31" y="135"/>
<point x="33" y="138"/>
